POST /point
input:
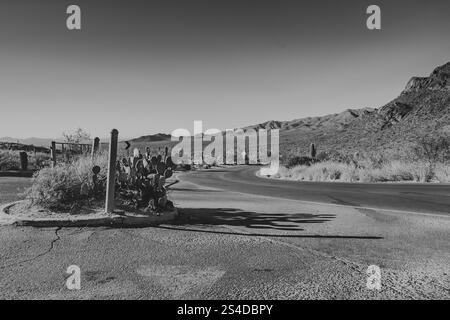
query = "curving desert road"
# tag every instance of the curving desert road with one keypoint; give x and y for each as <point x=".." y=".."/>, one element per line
<point x="409" y="197"/>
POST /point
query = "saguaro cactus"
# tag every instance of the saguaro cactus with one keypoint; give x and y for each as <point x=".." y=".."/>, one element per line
<point x="166" y="153"/>
<point x="312" y="151"/>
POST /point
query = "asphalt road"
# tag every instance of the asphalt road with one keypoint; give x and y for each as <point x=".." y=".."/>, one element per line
<point x="233" y="245"/>
<point x="426" y="198"/>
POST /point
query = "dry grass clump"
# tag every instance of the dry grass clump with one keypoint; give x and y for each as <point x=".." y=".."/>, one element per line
<point x="396" y="170"/>
<point x="61" y="186"/>
<point x="442" y="173"/>
<point x="389" y="171"/>
<point x="323" y="171"/>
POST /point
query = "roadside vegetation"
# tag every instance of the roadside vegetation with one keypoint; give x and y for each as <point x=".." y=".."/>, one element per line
<point x="79" y="185"/>
<point x="68" y="184"/>
<point x="10" y="160"/>
<point x="81" y="181"/>
<point x="427" y="161"/>
<point x="390" y="171"/>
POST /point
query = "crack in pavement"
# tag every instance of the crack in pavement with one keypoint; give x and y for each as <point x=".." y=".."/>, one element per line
<point x="52" y="244"/>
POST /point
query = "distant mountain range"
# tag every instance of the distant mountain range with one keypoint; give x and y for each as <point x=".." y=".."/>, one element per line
<point x="39" y="142"/>
<point x="423" y="107"/>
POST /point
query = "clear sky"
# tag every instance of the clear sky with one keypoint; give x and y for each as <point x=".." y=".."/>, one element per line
<point x="145" y="67"/>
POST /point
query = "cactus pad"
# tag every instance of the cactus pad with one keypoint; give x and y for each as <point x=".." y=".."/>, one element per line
<point x="160" y="168"/>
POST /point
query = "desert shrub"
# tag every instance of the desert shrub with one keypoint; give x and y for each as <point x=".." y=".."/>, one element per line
<point x="350" y="174"/>
<point x="9" y="160"/>
<point x="373" y="160"/>
<point x="299" y="161"/>
<point x="396" y="171"/>
<point x="336" y="156"/>
<point x="365" y="175"/>
<point x="419" y="171"/>
<point x="324" y="171"/>
<point x="347" y="158"/>
<point x="442" y="172"/>
<point x="432" y="148"/>
<point x="328" y="171"/>
<point x="39" y="160"/>
<point x="322" y="156"/>
<point x="61" y="186"/>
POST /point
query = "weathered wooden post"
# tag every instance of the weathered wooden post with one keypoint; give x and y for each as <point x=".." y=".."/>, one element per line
<point x="111" y="182"/>
<point x="23" y="160"/>
<point x="95" y="147"/>
<point x="53" y="153"/>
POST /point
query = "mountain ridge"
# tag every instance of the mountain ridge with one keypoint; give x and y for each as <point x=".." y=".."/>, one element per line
<point x="423" y="107"/>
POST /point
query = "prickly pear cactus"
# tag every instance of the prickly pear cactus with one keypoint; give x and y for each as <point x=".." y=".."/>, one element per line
<point x="169" y="163"/>
<point x="168" y="173"/>
<point x="141" y="181"/>
<point x="160" y="168"/>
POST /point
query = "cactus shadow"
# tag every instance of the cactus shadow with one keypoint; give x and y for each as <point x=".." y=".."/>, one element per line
<point x="252" y="220"/>
<point x="202" y="219"/>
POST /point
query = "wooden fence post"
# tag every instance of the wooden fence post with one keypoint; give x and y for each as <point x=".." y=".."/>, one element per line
<point x="95" y="147"/>
<point x="109" y="206"/>
<point x="53" y="153"/>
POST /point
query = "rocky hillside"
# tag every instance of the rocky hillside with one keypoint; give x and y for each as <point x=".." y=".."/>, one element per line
<point x="422" y="108"/>
<point x="152" y="138"/>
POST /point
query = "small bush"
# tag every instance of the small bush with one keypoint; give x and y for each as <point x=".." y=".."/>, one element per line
<point x="325" y="171"/>
<point x="442" y="173"/>
<point x="322" y="156"/>
<point x="299" y="161"/>
<point x="40" y="160"/>
<point x="61" y="186"/>
<point x="421" y="171"/>
<point x="9" y="160"/>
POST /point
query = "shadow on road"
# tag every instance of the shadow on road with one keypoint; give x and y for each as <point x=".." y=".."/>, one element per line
<point x="247" y="219"/>
<point x="197" y="219"/>
<point x="193" y="190"/>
